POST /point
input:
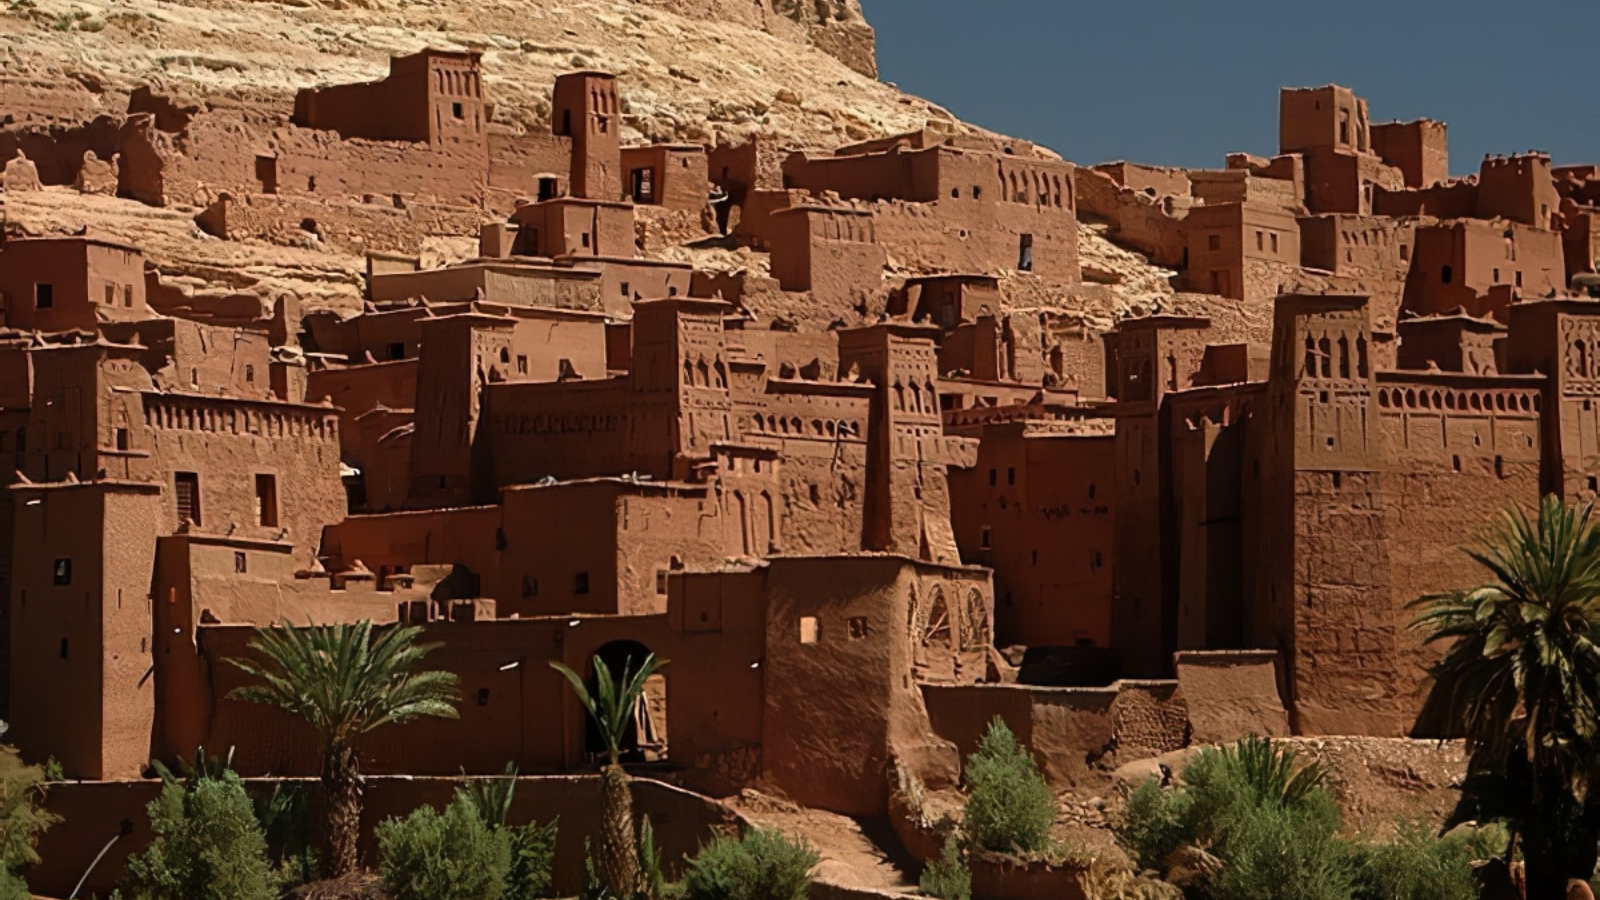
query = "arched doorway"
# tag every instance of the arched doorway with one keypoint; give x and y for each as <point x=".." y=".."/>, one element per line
<point x="645" y="738"/>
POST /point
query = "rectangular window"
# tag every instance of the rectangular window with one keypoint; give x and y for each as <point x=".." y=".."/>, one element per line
<point x="580" y="584"/>
<point x="61" y="572"/>
<point x="127" y="295"/>
<point x="241" y="562"/>
<point x="122" y="438"/>
<point x="627" y="290"/>
<point x="111" y="295"/>
<point x="44" y="296"/>
<point x="1273" y="237"/>
<point x="397" y="350"/>
<point x="1261" y="241"/>
<point x="530" y="586"/>
<point x="522" y="364"/>
<point x="186" y="489"/>
<point x="661" y="581"/>
<point x="1214" y="242"/>
<point x="1519" y="279"/>
<point x="987" y="538"/>
<point x="586" y="240"/>
<point x="1025" y="253"/>
<point x="267" y="500"/>
<point x="457" y="111"/>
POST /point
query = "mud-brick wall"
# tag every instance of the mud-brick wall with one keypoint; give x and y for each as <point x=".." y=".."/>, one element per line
<point x="95" y="812"/>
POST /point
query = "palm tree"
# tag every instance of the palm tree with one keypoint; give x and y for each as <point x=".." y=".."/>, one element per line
<point x="345" y="684"/>
<point x="1520" y="681"/>
<point x="611" y="705"/>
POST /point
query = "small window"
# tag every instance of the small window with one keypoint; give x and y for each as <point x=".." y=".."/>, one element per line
<point x="1519" y="279"/>
<point x="522" y="364"/>
<point x="586" y="239"/>
<point x="858" y="627"/>
<point x="397" y="350"/>
<point x="993" y="478"/>
<point x="457" y="111"/>
<point x="186" y="490"/>
<point x="955" y="193"/>
<point x="1214" y="242"/>
<point x="1496" y="276"/>
<point x="661" y="581"/>
<point x="810" y="629"/>
<point x="580" y="584"/>
<point x="1405" y="253"/>
<point x="63" y="648"/>
<point x="249" y="374"/>
<point x="1097" y="560"/>
<point x="111" y="295"/>
<point x="1011" y="476"/>
<point x="267" y="500"/>
<point x="44" y="296"/>
<point x="1091" y="492"/>
<point x="986" y="539"/>
<point x="483" y="693"/>
<point x="61" y="572"/>
<point x="127" y="295"/>
<point x="530" y="586"/>
<point x="1025" y="253"/>
<point x="1261" y="241"/>
<point x="977" y="192"/>
<point x="627" y="289"/>
<point x="122" y="438"/>
<point x="1272" y="238"/>
<point x="241" y="562"/>
<point x="1445" y="274"/>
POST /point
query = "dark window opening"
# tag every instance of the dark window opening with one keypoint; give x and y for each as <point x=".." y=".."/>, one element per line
<point x="643" y="187"/>
<point x="483" y="696"/>
<point x="122" y="438"/>
<point x="522" y="364"/>
<point x="249" y="374"/>
<point x="1214" y="242"/>
<point x="61" y="571"/>
<point x="44" y="296"/>
<point x="547" y="189"/>
<point x="586" y="239"/>
<point x="241" y="562"/>
<point x="566" y="121"/>
<point x="581" y="583"/>
<point x="986" y="538"/>
<point x="530" y="586"/>
<point x="1025" y="254"/>
<point x="1445" y="274"/>
<point x="626" y="289"/>
<point x="858" y="627"/>
<point x="267" y="174"/>
<point x="186" y="489"/>
<point x="661" y="581"/>
<point x="111" y="295"/>
<point x="397" y="351"/>
<point x="63" y="648"/>
<point x="1011" y="476"/>
<point x="457" y="111"/>
<point x="267" y="500"/>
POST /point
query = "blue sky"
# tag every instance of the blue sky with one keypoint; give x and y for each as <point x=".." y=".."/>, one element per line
<point x="1183" y="82"/>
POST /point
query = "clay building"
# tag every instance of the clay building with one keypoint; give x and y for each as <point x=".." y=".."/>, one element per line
<point x="57" y="284"/>
<point x="673" y="176"/>
<point x="1481" y="267"/>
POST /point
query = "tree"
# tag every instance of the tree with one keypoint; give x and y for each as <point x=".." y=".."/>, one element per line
<point x="1520" y="681"/>
<point x="345" y="683"/>
<point x="21" y="819"/>
<point x="454" y="856"/>
<point x="208" y="845"/>
<point x="1010" y="808"/>
<point x="611" y="705"/>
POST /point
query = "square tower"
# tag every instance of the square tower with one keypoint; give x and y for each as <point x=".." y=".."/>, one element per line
<point x="584" y="107"/>
<point x="1322" y="118"/>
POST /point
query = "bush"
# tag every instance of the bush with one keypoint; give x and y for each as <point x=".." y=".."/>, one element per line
<point x="761" y="865"/>
<point x="532" y="846"/>
<point x="208" y="845"/>
<point x="454" y="856"/>
<point x="1154" y="825"/>
<point x="948" y="877"/>
<point x="533" y="855"/>
<point x="1010" y="808"/>
<point x="21" y="820"/>
<point x="1250" y="823"/>
<point x="1419" y="865"/>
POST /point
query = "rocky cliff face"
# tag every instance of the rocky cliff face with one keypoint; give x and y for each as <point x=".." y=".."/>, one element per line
<point x="799" y="71"/>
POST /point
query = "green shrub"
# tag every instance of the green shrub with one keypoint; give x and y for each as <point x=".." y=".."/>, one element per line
<point x="1153" y="825"/>
<point x="1010" y="808"/>
<point x="948" y="877"/>
<point x="1253" y="822"/>
<point x="761" y="865"/>
<point x="1419" y="865"/>
<point x="454" y="856"/>
<point x="208" y="845"/>
<point x="22" y="819"/>
<point x="533" y="856"/>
